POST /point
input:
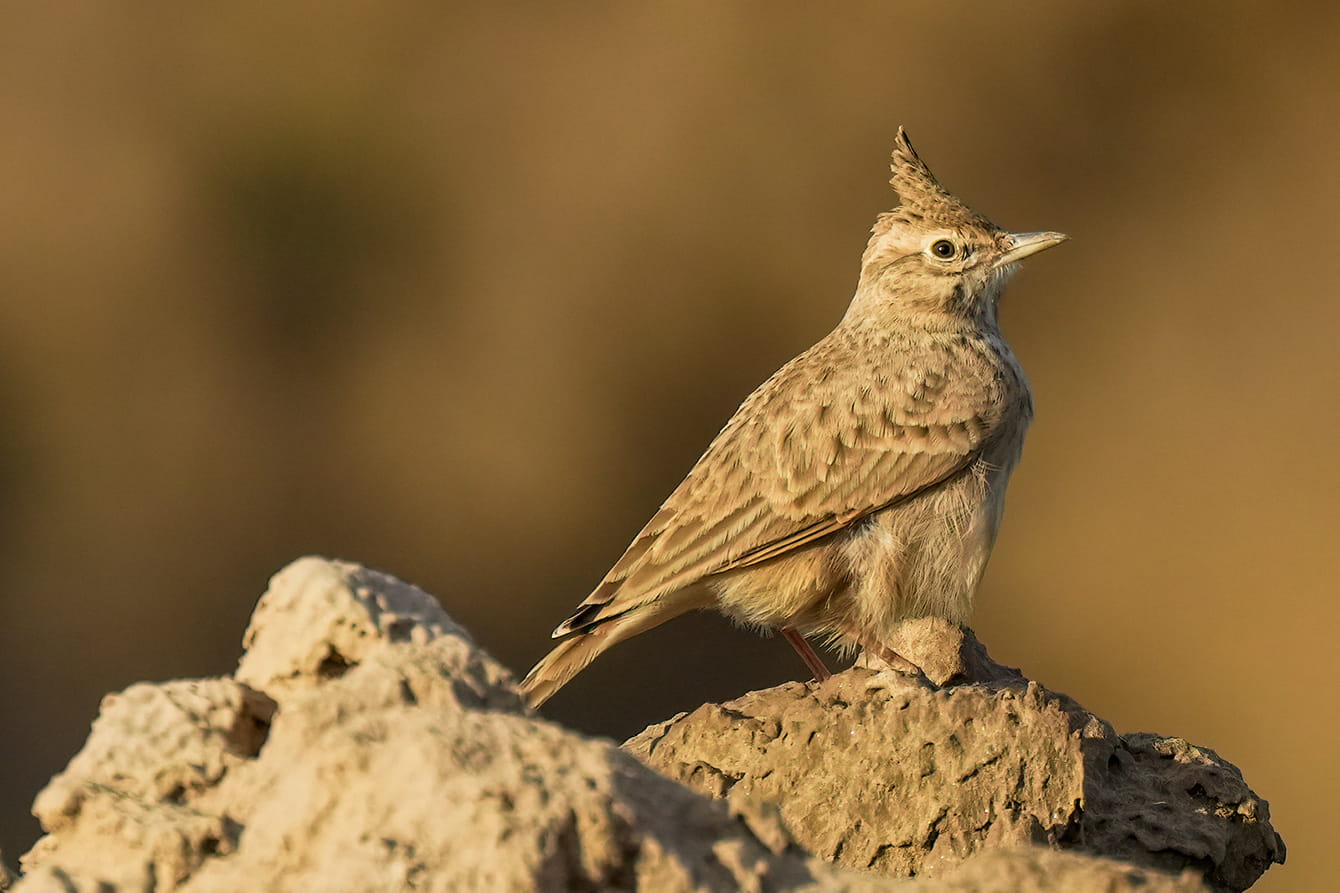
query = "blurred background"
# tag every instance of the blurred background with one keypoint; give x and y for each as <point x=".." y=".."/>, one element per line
<point x="462" y="293"/>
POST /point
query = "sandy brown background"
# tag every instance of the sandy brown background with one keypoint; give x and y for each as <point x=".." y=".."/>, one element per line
<point x="462" y="294"/>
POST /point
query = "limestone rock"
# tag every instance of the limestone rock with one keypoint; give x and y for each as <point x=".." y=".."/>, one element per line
<point x="889" y="773"/>
<point x="153" y="751"/>
<point x="366" y="743"/>
<point x="319" y="618"/>
<point x="1037" y="869"/>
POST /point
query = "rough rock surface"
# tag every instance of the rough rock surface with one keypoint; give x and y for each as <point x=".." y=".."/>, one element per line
<point x="387" y="752"/>
<point x="899" y="775"/>
<point x="365" y="743"/>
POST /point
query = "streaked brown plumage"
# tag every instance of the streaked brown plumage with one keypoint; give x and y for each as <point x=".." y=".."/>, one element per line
<point x="863" y="483"/>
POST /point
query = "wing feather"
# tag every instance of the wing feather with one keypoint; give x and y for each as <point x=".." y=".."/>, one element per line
<point x="802" y="459"/>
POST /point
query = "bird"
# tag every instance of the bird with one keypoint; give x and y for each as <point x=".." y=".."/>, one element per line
<point x="863" y="483"/>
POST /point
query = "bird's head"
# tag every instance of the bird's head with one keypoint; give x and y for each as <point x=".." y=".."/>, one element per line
<point x="933" y="254"/>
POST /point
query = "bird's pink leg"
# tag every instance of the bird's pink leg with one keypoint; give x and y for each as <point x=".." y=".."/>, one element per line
<point x="807" y="654"/>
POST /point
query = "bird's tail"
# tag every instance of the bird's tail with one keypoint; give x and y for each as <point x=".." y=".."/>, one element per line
<point x="573" y="655"/>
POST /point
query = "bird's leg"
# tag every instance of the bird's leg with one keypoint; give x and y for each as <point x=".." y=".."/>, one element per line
<point x="807" y="654"/>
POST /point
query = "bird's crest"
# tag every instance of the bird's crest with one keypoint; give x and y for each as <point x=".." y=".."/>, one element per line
<point x="921" y="197"/>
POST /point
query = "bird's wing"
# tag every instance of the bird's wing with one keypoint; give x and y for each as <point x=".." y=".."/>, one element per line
<point x="802" y="458"/>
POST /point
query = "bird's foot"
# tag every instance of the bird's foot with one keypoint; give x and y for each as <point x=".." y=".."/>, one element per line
<point x="894" y="661"/>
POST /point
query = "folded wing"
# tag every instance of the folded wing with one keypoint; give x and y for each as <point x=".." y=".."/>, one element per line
<point x="793" y="466"/>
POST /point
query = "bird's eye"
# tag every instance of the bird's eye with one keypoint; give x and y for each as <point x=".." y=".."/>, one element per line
<point x="944" y="249"/>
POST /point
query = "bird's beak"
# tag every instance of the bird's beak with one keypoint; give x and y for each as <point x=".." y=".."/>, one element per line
<point x="1021" y="245"/>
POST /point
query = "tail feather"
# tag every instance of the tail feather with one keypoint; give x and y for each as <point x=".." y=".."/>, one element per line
<point x="560" y="665"/>
<point x="573" y="655"/>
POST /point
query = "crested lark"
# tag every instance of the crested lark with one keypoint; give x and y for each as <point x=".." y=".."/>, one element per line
<point x="863" y="483"/>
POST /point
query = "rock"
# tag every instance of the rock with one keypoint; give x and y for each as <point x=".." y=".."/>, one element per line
<point x="885" y="772"/>
<point x="153" y="751"/>
<point x="1038" y="869"/>
<point x="366" y="743"/>
<point x="948" y="654"/>
<point x="319" y="618"/>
